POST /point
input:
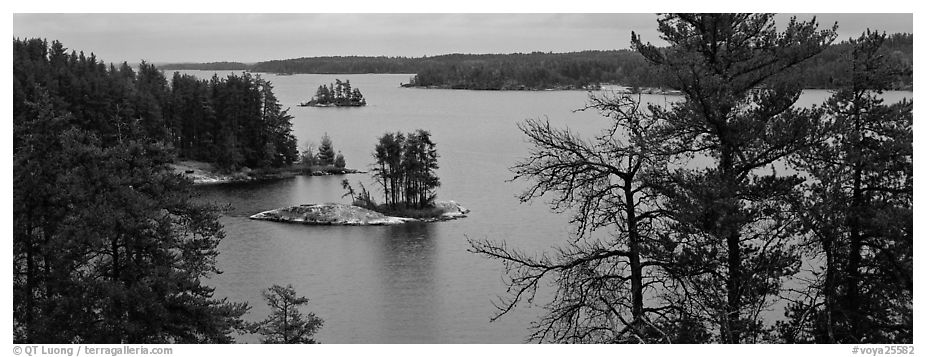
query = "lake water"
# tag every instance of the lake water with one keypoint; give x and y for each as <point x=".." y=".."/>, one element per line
<point x="414" y="283"/>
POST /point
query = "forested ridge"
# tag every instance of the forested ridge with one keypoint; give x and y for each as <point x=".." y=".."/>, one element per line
<point x="537" y="70"/>
<point x="540" y="70"/>
<point x="341" y="65"/>
<point x="109" y="245"/>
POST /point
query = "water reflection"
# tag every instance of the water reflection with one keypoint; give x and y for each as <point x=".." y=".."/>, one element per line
<point x="408" y="280"/>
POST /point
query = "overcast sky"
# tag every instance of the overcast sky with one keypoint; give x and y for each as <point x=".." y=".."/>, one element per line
<point x="163" y="38"/>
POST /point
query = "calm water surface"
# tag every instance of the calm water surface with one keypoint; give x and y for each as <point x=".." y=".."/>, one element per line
<point x="405" y="284"/>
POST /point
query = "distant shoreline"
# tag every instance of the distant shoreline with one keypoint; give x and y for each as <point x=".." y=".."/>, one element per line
<point x="539" y="71"/>
<point x="601" y="86"/>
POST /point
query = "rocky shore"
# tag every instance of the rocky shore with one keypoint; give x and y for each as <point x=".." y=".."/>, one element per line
<point x="202" y="173"/>
<point x="349" y="215"/>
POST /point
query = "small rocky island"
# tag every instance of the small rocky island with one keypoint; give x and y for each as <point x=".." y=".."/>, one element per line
<point x="405" y="169"/>
<point x="349" y="215"/>
<point x="338" y="94"/>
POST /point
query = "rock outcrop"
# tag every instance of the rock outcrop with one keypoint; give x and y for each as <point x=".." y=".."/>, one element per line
<point x="349" y="215"/>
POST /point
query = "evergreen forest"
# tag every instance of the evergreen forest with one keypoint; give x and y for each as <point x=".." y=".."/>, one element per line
<point x="109" y="244"/>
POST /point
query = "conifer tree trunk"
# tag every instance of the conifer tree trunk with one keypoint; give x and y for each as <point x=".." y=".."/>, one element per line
<point x="633" y="250"/>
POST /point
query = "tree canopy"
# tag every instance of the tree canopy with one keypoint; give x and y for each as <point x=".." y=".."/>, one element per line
<point x="698" y="232"/>
<point x="286" y="324"/>
<point x="233" y="122"/>
<point x="108" y="244"/>
<point x="858" y="211"/>
<point x="404" y="168"/>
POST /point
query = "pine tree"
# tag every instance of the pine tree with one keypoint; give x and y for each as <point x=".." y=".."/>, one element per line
<point x="109" y="246"/>
<point x="308" y="158"/>
<point x="405" y="166"/>
<point x="277" y="126"/>
<point x="286" y="324"/>
<point x="601" y="283"/>
<point x="357" y="97"/>
<point x="321" y="95"/>
<point x="326" y="151"/>
<point x="733" y="219"/>
<point x="347" y="91"/>
<point x="338" y="91"/>
<point x="859" y="210"/>
<point x="339" y="161"/>
<point x="419" y="163"/>
<point x="388" y="156"/>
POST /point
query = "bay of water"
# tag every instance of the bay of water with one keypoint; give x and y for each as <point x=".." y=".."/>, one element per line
<point x="415" y="283"/>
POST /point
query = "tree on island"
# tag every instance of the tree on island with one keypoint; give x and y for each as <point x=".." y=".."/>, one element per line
<point x="308" y="157"/>
<point x="339" y="161"/>
<point x="326" y="153"/>
<point x="337" y="94"/>
<point x="323" y="158"/>
<point x="404" y="168"/>
<point x="286" y="324"/>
